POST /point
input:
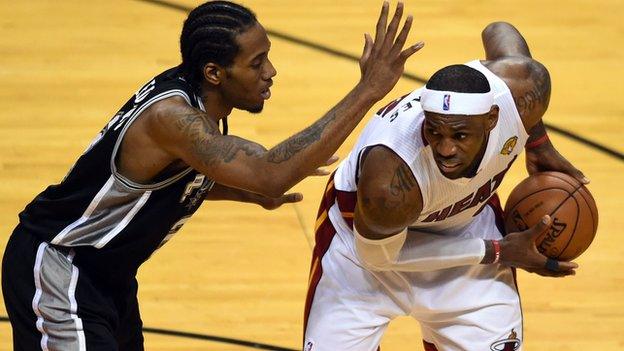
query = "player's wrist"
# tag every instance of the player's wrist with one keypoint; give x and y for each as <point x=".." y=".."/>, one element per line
<point x="538" y="142"/>
<point x="492" y="252"/>
<point x="366" y="94"/>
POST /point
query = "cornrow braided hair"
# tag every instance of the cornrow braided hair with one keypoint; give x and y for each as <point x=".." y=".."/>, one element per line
<point x="209" y="35"/>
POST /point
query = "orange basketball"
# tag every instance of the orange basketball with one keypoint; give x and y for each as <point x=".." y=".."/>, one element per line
<point x="569" y="204"/>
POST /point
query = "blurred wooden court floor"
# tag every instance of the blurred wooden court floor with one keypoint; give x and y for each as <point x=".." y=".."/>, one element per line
<point x="237" y="271"/>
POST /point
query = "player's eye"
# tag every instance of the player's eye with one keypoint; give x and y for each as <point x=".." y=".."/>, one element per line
<point x="433" y="132"/>
<point x="256" y="65"/>
<point x="461" y="136"/>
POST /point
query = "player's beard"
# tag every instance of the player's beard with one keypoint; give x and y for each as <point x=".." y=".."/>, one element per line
<point x="255" y="109"/>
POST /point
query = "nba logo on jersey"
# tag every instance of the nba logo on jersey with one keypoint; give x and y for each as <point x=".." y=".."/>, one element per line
<point x="446" y="104"/>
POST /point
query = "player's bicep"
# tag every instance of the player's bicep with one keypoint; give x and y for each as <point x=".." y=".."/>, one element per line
<point x="388" y="195"/>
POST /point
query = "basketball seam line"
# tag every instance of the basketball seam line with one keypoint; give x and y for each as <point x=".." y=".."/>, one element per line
<point x="578" y="210"/>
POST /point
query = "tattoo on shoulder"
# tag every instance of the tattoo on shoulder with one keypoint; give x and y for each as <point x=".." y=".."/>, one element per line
<point x="402" y="182"/>
<point x="214" y="150"/>
<point x="287" y="149"/>
<point x="194" y="124"/>
<point x="539" y="95"/>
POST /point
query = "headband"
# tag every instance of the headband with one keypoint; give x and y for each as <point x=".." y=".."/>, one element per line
<point x="454" y="103"/>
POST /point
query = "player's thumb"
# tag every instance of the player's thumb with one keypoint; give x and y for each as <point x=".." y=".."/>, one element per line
<point x="540" y="227"/>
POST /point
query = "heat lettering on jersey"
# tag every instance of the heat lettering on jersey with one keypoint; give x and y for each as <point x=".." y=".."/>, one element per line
<point x="480" y="196"/>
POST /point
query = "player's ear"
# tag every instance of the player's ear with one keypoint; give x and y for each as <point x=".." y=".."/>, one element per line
<point x="213" y="73"/>
<point x="492" y="118"/>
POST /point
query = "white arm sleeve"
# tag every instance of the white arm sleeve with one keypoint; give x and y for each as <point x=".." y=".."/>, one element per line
<point x="418" y="252"/>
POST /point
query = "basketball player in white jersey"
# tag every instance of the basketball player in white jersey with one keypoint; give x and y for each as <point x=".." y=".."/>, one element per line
<point x="410" y="223"/>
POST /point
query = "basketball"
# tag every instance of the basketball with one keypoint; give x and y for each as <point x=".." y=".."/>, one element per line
<point x="569" y="204"/>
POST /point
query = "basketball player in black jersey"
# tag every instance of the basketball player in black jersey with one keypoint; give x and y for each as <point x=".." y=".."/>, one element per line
<point x="69" y="267"/>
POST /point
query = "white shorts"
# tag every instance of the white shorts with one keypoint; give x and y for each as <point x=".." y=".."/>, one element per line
<point x="463" y="308"/>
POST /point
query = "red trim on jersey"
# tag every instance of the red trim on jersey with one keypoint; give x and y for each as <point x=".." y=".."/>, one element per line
<point x="346" y="203"/>
<point x="429" y="346"/>
<point x="499" y="215"/>
<point x="324" y="233"/>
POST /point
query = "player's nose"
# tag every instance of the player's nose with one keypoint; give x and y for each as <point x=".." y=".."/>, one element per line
<point x="446" y="148"/>
<point x="270" y="71"/>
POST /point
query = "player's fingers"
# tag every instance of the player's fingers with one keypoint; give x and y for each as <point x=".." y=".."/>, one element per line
<point x="393" y="27"/>
<point x="380" y="31"/>
<point x="293" y="197"/>
<point x="400" y="40"/>
<point x="554" y="268"/>
<point x="320" y="172"/>
<point x="567" y="266"/>
<point x="332" y="160"/>
<point x="546" y="273"/>
<point x="581" y="177"/>
<point x="540" y="227"/>
<point x="368" y="47"/>
<point x="405" y="54"/>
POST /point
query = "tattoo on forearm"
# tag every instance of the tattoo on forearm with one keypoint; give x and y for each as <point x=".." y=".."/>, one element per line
<point x="213" y="151"/>
<point x="293" y="145"/>
<point x="539" y="95"/>
<point x="402" y="182"/>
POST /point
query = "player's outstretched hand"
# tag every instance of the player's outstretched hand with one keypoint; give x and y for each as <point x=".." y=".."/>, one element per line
<point x="383" y="59"/>
<point x="271" y="203"/>
<point x="519" y="250"/>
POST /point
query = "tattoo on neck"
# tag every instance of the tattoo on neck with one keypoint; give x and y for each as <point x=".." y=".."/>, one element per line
<point x="293" y="145"/>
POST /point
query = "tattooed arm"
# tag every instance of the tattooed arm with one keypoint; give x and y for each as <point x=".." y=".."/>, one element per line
<point x="389" y="200"/>
<point x="509" y="58"/>
<point x="187" y="134"/>
<point x="193" y="137"/>
<point x="388" y="197"/>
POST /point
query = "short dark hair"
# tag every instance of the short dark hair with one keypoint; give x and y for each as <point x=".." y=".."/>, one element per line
<point x="209" y="35"/>
<point x="460" y="79"/>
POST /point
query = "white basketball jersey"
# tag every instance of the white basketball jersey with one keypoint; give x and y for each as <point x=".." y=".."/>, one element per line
<point x="448" y="204"/>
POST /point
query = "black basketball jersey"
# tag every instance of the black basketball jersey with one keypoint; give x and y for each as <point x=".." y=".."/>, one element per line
<point x="113" y="223"/>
